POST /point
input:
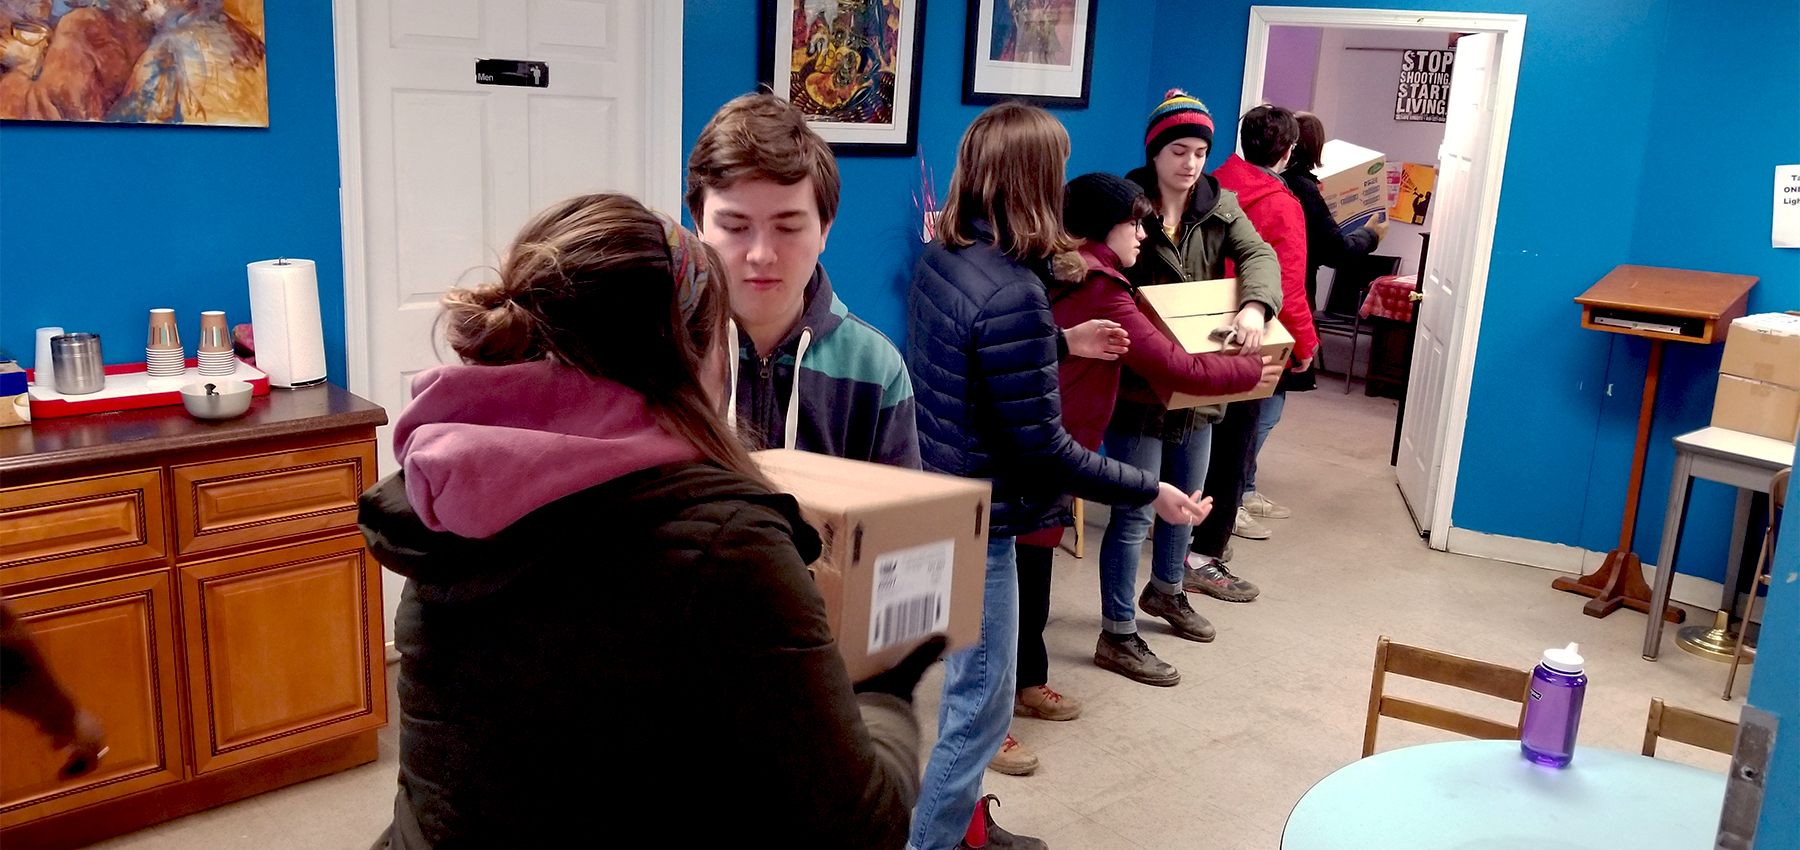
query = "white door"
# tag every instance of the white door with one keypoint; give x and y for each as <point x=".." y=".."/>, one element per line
<point x="1444" y="283"/>
<point x="442" y="171"/>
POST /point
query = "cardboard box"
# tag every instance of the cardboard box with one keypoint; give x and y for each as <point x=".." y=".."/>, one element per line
<point x="1190" y="312"/>
<point x="1354" y="182"/>
<point x="13" y="387"/>
<point x="1764" y="347"/>
<point x="1754" y="407"/>
<point x="905" y="552"/>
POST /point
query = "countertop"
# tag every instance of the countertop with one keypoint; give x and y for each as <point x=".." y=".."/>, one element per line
<point x="125" y="435"/>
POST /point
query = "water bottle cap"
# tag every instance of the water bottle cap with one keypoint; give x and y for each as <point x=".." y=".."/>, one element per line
<point x="1565" y="660"/>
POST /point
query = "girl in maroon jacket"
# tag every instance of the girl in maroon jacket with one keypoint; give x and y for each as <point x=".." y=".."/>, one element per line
<point x="1106" y="214"/>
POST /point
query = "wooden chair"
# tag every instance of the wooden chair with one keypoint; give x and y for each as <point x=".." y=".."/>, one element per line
<point x="1688" y="727"/>
<point x="1495" y="680"/>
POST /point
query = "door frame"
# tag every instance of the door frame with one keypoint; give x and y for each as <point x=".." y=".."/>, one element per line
<point x="1466" y="330"/>
<point x="662" y="99"/>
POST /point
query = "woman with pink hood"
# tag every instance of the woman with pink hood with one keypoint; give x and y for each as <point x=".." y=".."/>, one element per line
<point x="594" y="565"/>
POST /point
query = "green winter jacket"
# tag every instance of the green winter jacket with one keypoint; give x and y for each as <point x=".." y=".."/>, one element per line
<point x="1214" y="231"/>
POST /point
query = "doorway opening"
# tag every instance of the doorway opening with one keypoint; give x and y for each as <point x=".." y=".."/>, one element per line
<point x="1467" y="156"/>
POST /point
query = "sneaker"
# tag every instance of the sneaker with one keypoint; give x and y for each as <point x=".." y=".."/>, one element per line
<point x="1213" y="579"/>
<point x="1259" y="505"/>
<point x="1045" y="704"/>
<point x="1174" y="607"/>
<point x="995" y="837"/>
<point x="1130" y="657"/>
<point x="1013" y="759"/>
<point x="1248" y="527"/>
<point x="1226" y="555"/>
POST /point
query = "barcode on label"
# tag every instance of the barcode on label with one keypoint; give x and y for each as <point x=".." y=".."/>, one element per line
<point x="906" y="620"/>
<point x="910" y="594"/>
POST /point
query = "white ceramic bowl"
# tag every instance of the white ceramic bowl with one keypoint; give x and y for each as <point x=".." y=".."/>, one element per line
<point x="228" y="400"/>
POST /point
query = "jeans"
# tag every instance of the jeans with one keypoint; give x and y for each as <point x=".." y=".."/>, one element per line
<point x="975" y="711"/>
<point x="1265" y="422"/>
<point x="1181" y="464"/>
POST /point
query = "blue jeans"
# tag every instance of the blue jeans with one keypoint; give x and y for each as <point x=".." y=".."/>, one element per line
<point x="974" y="712"/>
<point x="1181" y="464"/>
<point x="1265" y="422"/>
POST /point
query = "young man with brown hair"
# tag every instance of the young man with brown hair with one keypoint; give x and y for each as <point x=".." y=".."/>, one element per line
<point x="762" y="188"/>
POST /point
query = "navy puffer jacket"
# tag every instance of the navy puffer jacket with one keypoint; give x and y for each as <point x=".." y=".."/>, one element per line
<point x="981" y="345"/>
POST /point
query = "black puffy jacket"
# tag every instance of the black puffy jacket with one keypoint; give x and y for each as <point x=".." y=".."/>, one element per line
<point x="982" y="346"/>
<point x="574" y="674"/>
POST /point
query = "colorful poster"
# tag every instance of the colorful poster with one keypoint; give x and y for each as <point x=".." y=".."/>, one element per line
<point x="1415" y="193"/>
<point x="1423" y="93"/>
<point x="171" y="62"/>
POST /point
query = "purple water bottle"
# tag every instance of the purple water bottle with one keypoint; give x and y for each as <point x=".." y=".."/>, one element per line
<point x="1553" y="708"/>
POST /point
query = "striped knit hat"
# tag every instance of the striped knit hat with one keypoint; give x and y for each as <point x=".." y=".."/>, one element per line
<point x="1179" y="116"/>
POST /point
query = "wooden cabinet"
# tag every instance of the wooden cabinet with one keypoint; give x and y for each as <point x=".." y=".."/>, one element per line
<point x="280" y="649"/>
<point x="203" y="589"/>
<point x="111" y="644"/>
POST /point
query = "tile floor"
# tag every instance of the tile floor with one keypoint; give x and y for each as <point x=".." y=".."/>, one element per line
<point x="1272" y="706"/>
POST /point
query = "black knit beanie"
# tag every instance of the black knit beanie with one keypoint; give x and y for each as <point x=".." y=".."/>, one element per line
<point x="1093" y="204"/>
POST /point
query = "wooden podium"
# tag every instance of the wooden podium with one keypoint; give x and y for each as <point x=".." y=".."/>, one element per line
<point x="1662" y="305"/>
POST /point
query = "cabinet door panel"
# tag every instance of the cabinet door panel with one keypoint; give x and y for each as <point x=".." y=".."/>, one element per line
<point x="284" y="649"/>
<point x="112" y="646"/>
<point x="70" y="526"/>
<point x="249" y="500"/>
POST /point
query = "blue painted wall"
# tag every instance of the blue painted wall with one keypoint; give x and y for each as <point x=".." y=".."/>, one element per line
<point x="1775" y="686"/>
<point x="875" y="240"/>
<point x="1624" y="149"/>
<point x="99" y="223"/>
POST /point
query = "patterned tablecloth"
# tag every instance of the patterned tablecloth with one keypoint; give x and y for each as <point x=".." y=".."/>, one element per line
<point x="1388" y="299"/>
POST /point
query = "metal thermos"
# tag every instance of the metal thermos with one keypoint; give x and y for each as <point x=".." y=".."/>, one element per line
<point x="75" y="361"/>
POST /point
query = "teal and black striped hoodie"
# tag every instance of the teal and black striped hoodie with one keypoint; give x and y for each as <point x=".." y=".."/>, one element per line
<point x="854" y="398"/>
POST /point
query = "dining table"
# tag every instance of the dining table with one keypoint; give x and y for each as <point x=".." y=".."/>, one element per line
<point x="1485" y="795"/>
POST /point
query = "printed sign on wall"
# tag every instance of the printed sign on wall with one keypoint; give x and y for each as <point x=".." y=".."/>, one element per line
<point x="1424" y="90"/>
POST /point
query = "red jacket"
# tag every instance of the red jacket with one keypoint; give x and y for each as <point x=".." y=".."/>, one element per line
<point x="1090" y="388"/>
<point x="1280" y="221"/>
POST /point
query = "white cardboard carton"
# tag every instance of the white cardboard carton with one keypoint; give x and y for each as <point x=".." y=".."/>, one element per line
<point x="1354" y="182"/>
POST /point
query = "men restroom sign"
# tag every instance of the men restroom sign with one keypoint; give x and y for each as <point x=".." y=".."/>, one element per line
<point x="1424" y="90"/>
<point x="512" y="72"/>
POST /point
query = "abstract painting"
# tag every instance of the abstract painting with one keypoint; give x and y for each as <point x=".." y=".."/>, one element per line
<point x="1038" y="51"/>
<point x="134" y="61"/>
<point x="852" y="66"/>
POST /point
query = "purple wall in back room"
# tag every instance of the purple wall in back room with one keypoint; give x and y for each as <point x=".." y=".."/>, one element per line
<point x="1288" y="71"/>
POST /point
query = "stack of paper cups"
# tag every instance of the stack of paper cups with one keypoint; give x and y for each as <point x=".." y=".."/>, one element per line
<point x="284" y="317"/>
<point x="42" y="372"/>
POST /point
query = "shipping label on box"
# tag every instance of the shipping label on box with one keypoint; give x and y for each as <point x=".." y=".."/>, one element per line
<point x="1764" y="347"/>
<point x="905" y="552"/>
<point x="1754" y="407"/>
<point x="1197" y="315"/>
<point x="1354" y="182"/>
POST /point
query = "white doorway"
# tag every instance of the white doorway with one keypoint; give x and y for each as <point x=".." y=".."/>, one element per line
<point x="1472" y="158"/>
<point x="439" y="171"/>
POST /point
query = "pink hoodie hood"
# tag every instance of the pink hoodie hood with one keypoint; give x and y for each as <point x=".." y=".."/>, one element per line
<point x="483" y="446"/>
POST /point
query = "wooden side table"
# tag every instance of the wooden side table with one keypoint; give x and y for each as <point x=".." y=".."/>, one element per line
<point x="1662" y="305"/>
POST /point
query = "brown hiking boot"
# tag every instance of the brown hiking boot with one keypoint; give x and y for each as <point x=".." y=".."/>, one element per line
<point x="1175" y="608"/>
<point x="1129" y="656"/>
<point x="1013" y="759"/>
<point x="1045" y="704"/>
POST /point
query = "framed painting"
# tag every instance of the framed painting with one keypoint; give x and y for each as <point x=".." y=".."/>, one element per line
<point x="156" y="62"/>
<point x="1037" y="51"/>
<point x="852" y="66"/>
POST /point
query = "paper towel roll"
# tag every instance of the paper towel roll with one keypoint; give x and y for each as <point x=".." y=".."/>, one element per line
<point x="284" y="315"/>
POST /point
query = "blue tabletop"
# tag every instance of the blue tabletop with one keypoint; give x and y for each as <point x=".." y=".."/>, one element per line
<point x="1483" y="795"/>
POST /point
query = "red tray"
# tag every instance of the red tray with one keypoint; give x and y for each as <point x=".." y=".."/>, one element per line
<point x="129" y="388"/>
